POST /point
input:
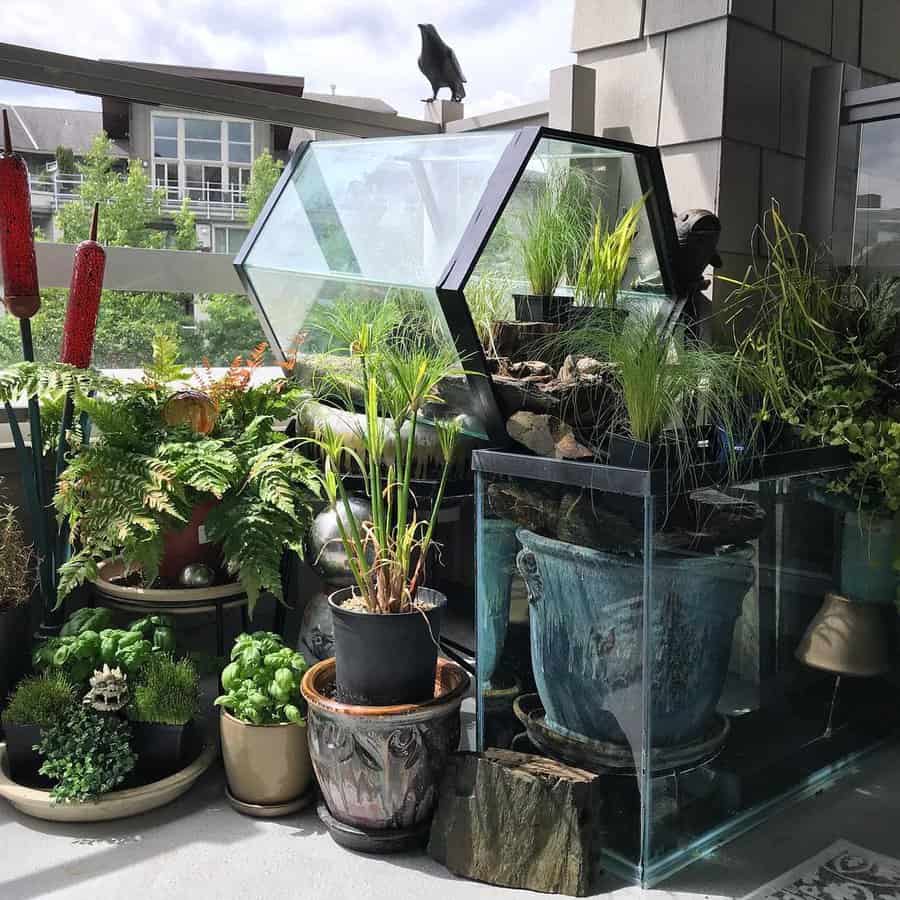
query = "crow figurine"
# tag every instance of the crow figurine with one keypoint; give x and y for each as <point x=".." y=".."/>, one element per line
<point x="440" y="66"/>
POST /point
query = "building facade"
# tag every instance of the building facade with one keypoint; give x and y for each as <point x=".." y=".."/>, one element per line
<point x="204" y="158"/>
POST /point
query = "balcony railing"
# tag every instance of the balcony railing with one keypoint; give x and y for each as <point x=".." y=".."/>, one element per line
<point x="209" y="200"/>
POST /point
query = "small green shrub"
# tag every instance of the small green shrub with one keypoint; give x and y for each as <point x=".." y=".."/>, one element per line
<point x="40" y="700"/>
<point x="87" y="754"/>
<point x="167" y="692"/>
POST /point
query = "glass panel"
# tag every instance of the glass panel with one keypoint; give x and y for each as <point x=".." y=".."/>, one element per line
<point x="166" y="147"/>
<point x="238" y="179"/>
<point x="194" y="182"/>
<point x="294" y="303"/>
<point x="386" y="210"/>
<point x="220" y="240"/>
<point x="203" y="129"/>
<point x="559" y="636"/>
<point x="876" y="238"/>
<point x="165" y="126"/>
<point x="202" y="150"/>
<point x="569" y="199"/>
<point x="752" y="654"/>
<point x="212" y="183"/>
<point x="239" y="131"/>
<point x="239" y="152"/>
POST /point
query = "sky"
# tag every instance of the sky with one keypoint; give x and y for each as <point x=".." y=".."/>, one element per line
<point x="364" y="47"/>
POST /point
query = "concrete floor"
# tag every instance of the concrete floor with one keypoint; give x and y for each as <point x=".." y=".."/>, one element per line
<point x="199" y="848"/>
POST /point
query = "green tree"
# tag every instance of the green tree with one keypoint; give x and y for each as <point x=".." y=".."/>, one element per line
<point x="128" y="205"/>
<point x="263" y="176"/>
<point x="65" y="160"/>
<point x="230" y="329"/>
<point x="185" y="227"/>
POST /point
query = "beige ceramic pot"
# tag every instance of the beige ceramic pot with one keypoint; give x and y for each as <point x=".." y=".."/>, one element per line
<point x="266" y="765"/>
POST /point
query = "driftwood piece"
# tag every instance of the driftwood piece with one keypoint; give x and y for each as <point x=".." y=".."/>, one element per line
<point x="518" y="820"/>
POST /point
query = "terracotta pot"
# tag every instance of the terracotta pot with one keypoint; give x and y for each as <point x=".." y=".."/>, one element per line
<point x="266" y="765"/>
<point x="189" y="544"/>
<point x="379" y="767"/>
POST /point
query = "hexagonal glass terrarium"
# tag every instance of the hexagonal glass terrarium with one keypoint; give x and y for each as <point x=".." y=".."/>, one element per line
<point x="423" y="223"/>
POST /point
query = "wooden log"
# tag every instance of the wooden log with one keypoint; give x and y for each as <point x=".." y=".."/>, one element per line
<point x="518" y="820"/>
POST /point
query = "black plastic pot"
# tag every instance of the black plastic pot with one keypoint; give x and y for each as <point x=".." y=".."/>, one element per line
<point x="542" y="308"/>
<point x="24" y="762"/>
<point x="700" y="445"/>
<point x="608" y="318"/>
<point x="161" y="749"/>
<point x="386" y="660"/>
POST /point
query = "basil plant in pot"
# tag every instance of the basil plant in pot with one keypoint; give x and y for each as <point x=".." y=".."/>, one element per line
<point x="264" y="742"/>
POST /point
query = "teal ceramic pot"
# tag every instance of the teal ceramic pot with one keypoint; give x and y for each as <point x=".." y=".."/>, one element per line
<point x="587" y="636"/>
<point x="868" y="550"/>
<point x="495" y="572"/>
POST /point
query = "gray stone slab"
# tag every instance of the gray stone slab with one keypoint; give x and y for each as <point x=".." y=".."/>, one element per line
<point x="845" y="30"/>
<point x="738" y="198"/>
<point x="666" y="15"/>
<point x="758" y="12"/>
<point x="629" y="82"/>
<point x="693" y="83"/>
<point x="599" y="23"/>
<point x="797" y="64"/>
<point x="880" y="34"/>
<point x="806" y="21"/>
<point x="753" y="85"/>
<point x="782" y="179"/>
<point x="692" y="174"/>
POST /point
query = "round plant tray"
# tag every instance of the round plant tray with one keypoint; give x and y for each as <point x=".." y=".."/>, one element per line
<point x="273" y="811"/>
<point x="605" y="756"/>
<point x="180" y="599"/>
<point x="364" y="840"/>
<point x="114" y="805"/>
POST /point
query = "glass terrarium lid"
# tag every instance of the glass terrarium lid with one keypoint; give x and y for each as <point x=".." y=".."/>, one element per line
<point x="410" y="219"/>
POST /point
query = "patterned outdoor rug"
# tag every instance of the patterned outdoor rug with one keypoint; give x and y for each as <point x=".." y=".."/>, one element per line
<point x="842" y="872"/>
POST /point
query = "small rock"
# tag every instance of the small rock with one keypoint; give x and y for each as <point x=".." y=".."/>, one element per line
<point x="546" y="435"/>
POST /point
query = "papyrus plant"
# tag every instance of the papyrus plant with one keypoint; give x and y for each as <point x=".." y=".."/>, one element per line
<point x="388" y="553"/>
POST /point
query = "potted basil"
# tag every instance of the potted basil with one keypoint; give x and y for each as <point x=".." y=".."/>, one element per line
<point x="264" y="745"/>
<point x="165" y="698"/>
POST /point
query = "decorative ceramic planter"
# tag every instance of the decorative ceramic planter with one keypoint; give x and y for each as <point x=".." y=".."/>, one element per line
<point x="495" y="573"/>
<point x="587" y="612"/>
<point x="266" y="765"/>
<point x="379" y="767"/>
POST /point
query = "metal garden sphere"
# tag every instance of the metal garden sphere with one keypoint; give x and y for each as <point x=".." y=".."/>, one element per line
<point x="196" y="575"/>
<point x="326" y="552"/>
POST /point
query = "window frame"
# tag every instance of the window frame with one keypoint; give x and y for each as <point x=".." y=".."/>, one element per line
<point x="224" y="164"/>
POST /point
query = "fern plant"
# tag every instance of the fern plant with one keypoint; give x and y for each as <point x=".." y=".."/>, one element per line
<point x="142" y="477"/>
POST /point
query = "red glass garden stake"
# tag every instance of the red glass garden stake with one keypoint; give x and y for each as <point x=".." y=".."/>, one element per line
<point x="17" y="260"/>
<point x="84" y="300"/>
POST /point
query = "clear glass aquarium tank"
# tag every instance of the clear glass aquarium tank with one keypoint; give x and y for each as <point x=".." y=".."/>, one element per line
<point x="711" y="652"/>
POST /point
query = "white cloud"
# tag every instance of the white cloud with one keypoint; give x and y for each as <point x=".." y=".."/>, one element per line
<point x="506" y="47"/>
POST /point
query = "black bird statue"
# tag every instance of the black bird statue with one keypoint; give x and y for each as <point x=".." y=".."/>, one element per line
<point x="440" y="66"/>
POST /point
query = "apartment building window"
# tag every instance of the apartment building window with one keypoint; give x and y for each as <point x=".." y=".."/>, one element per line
<point x="202" y="157"/>
<point x="228" y="240"/>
